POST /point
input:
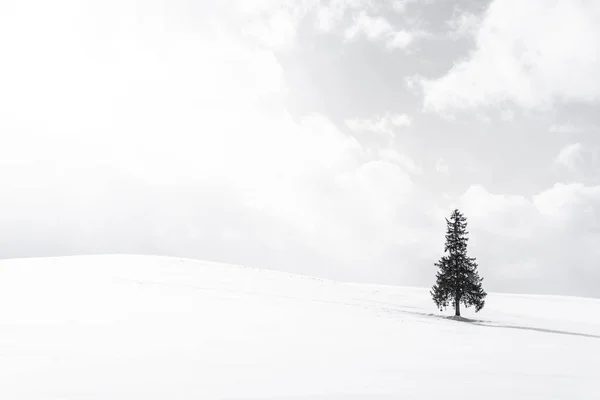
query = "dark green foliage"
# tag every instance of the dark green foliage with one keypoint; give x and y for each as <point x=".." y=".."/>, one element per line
<point x="457" y="280"/>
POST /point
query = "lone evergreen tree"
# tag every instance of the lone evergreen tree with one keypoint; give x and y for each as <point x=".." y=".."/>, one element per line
<point x="457" y="280"/>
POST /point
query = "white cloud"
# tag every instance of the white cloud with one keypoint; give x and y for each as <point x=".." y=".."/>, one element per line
<point x="385" y="184"/>
<point x="328" y="18"/>
<point x="400" y="40"/>
<point x="412" y="83"/>
<point x="272" y="23"/>
<point x="567" y="128"/>
<point x="569" y="155"/>
<point x="441" y="166"/>
<point x="116" y="92"/>
<point x="532" y="54"/>
<point x="550" y="232"/>
<point x="386" y="124"/>
<point x="277" y="31"/>
<point x="463" y="24"/>
<point x="372" y="27"/>
<point x="330" y="15"/>
<point x="400" y="6"/>
<point x="400" y="159"/>
<point x="275" y="23"/>
<point x="125" y="129"/>
<point x="480" y="202"/>
<point x="400" y="120"/>
<point x="507" y="115"/>
<point x="563" y="200"/>
<point x="378" y="29"/>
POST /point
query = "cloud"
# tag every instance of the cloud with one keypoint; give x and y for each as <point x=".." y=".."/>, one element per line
<point x="122" y="131"/>
<point x="400" y="40"/>
<point x="274" y="24"/>
<point x="372" y="27"/>
<point x="569" y="155"/>
<point x="413" y="82"/>
<point x="401" y="120"/>
<point x="532" y="54"/>
<point x="567" y="128"/>
<point x="330" y="14"/>
<point x="563" y="200"/>
<point x="490" y="210"/>
<point x="441" y="166"/>
<point x="386" y="187"/>
<point x="278" y="31"/>
<point x="463" y="24"/>
<point x="329" y="17"/>
<point x="400" y="159"/>
<point x="378" y="28"/>
<point x="507" y="115"/>
<point x="400" y="6"/>
<point x="152" y="127"/>
<point x="386" y="124"/>
<point x="549" y="235"/>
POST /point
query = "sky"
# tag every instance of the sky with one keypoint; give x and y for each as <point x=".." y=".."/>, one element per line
<point x="326" y="138"/>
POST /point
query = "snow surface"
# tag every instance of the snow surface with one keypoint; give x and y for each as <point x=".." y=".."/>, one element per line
<point x="140" y="327"/>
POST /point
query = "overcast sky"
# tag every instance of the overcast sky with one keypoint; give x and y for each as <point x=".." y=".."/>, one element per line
<point x="327" y="138"/>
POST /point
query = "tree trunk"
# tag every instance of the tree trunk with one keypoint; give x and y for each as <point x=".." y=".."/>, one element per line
<point x="456" y="307"/>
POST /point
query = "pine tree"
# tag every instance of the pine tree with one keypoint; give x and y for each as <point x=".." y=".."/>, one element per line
<point x="457" y="280"/>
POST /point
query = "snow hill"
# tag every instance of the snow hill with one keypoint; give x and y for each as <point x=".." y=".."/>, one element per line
<point x="138" y="327"/>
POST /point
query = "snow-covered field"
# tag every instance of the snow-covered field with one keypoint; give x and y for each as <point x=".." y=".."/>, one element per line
<point x="136" y="327"/>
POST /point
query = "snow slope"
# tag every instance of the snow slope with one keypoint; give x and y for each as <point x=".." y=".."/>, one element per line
<point x="138" y="327"/>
